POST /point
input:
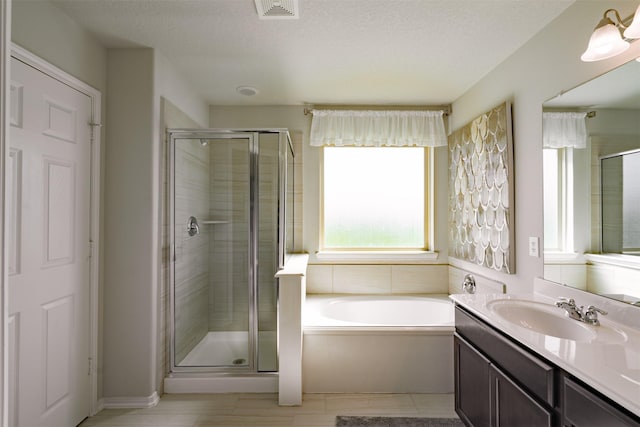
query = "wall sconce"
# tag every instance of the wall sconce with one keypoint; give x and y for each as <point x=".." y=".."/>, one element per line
<point x="606" y="40"/>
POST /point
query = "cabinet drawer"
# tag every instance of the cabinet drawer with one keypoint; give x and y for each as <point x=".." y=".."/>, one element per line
<point x="532" y="373"/>
<point x="583" y="408"/>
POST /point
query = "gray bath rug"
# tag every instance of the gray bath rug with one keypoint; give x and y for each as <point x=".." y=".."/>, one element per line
<point x="352" y="421"/>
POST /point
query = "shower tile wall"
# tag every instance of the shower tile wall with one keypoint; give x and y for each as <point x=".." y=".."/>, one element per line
<point x="229" y="204"/>
<point x="191" y="266"/>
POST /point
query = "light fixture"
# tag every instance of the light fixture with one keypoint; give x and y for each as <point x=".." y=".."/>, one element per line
<point x="247" y="90"/>
<point x="633" y="30"/>
<point x="606" y="40"/>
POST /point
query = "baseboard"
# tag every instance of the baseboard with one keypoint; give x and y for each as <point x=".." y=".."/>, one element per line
<point x="129" y="402"/>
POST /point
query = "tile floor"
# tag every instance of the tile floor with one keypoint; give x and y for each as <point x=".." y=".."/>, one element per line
<point x="201" y="410"/>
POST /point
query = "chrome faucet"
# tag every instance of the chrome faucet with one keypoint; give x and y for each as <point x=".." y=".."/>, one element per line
<point x="589" y="317"/>
<point x="572" y="310"/>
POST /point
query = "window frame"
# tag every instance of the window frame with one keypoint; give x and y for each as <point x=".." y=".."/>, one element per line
<point x="357" y="253"/>
<point x="565" y="203"/>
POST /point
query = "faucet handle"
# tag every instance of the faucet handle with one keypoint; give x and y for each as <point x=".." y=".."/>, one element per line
<point x="591" y="316"/>
<point x="594" y="309"/>
<point x="569" y="301"/>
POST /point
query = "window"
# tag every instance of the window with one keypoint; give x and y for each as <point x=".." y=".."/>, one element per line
<point x="558" y="199"/>
<point x="375" y="199"/>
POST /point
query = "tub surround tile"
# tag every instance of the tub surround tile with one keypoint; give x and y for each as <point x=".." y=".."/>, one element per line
<point x="576" y="274"/>
<point x="319" y="279"/>
<point x="358" y="279"/>
<point x="413" y="279"/>
<point x="612" y="279"/>
<point x="377" y="279"/>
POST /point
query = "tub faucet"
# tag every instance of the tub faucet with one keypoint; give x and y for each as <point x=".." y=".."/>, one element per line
<point x="572" y="310"/>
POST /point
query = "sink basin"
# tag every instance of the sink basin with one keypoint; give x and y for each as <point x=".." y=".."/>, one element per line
<point x="550" y="320"/>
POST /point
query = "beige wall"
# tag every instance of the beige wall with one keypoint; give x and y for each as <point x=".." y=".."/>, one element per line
<point x="129" y="341"/>
<point x="133" y="298"/>
<point x="548" y="64"/>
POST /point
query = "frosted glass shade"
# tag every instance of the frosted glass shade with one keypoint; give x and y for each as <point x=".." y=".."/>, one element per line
<point x="633" y="30"/>
<point x="605" y="42"/>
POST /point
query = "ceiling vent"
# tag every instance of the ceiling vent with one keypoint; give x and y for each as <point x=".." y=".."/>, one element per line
<point x="277" y="9"/>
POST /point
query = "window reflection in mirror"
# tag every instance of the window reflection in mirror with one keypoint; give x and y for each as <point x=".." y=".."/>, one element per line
<point x="592" y="191"/>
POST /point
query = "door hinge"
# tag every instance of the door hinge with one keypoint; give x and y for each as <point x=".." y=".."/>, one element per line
<point x="90" y="366"/>
<point x="93" y="126"/>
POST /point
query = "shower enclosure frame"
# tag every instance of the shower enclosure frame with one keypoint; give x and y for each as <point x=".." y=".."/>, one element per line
<point x="285" y="148"/>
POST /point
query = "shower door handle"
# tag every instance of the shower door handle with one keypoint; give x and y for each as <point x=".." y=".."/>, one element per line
<point x="192" y="226"/>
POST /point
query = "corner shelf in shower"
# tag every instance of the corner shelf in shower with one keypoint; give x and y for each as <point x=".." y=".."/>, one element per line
<point x="214" y="222"/>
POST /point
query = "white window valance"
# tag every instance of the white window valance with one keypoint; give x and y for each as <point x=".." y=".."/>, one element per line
<point x="373" y="128"/>
<point x="564" y="130"/>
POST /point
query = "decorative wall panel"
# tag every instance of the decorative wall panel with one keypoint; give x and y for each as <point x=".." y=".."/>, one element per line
<point x="481" y="209"/>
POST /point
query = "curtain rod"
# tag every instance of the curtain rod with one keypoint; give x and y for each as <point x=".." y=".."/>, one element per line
<point x="445" y="108"/>
<point x="590" y="114"/>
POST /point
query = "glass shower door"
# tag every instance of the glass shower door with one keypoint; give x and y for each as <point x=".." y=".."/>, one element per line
<point x="268" y="215"/>
<point x="213" y="252"/>
<point x="227" y="218"/>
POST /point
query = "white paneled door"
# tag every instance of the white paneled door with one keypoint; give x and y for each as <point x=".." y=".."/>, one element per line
<point x="49" y="254"/>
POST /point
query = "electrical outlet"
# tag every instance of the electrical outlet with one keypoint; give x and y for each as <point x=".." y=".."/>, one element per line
<point x="534" y="249"/>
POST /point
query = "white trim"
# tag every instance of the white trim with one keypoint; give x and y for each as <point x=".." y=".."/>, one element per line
<point x="5" y="36"/>
<point x="96" y="117"/>
<point x="140" y="402"/>
<point x="366" y="256"/>
<point x="551" y="257"/>
<point x="619" y="260"/>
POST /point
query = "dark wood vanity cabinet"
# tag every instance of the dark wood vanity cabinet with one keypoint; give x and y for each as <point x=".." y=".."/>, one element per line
<point x="582" y="407"/>
<point x="485" y="396"/>
<point x="500" y="383"/>
<point x="471" y="384"/>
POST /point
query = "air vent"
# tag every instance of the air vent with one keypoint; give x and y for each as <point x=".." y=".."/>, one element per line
<point x="277" y="9"/>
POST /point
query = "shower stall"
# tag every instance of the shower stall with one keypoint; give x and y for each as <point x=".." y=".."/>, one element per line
<point x="230" y="222"/>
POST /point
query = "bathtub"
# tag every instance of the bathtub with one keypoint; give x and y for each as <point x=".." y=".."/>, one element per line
<point x="378" y="344"/>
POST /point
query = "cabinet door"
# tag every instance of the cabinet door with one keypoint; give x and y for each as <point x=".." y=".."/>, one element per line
<point x="583" y="408"/>
<point x="471" y="371"/>
<point x="512" y="406"/>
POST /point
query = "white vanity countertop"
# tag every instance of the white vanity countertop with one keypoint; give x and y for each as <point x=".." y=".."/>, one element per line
<point x="611" y="368"/>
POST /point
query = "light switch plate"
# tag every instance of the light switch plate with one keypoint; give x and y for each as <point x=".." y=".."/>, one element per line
<point x="534" y="249"/>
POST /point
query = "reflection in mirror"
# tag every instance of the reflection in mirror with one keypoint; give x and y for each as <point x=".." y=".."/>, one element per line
<point x="591" y="161"/>
<point x="620" y="189"/>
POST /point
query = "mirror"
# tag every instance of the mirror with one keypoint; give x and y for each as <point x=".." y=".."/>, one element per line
<point x="592" y="186"/>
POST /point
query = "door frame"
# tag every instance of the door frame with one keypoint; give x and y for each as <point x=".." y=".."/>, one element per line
<point x="95" y="96"/>
<point x="5" y="47"/>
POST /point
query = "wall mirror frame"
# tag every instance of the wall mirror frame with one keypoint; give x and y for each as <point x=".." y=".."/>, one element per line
<point x="591" y="193"/>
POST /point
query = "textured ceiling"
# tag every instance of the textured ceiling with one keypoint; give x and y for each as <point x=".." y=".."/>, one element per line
<point x="339" y="51"/>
